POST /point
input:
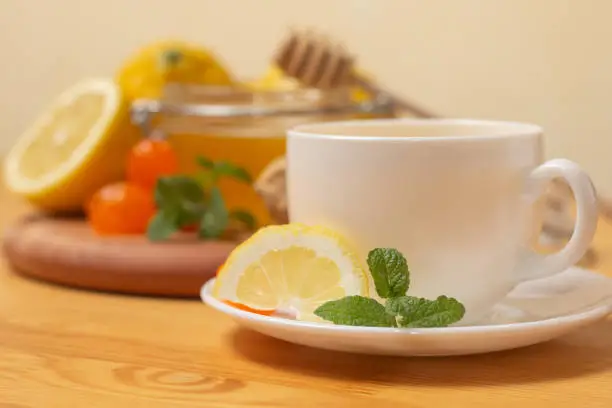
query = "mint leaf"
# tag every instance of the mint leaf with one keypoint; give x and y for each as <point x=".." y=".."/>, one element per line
<point x="244" y="217"/>
<point x="389" y="271"/>
<point x="190" y="214"/>
<point x="176" y="191"/>
<point x="205" y="179"/>
<point x="205" y="162"/>
<point x="355" y="311"/>
<point x="180" y="202"/>
<point x="216" y="217"/>
<point x="224" y="168"/>
<point x="221" y="169"/>
<point x="161" y="226"/>
<point x="418" y="312"/>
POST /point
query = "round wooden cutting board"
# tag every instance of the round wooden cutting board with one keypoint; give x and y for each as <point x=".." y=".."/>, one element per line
<point x="68" y="252"/>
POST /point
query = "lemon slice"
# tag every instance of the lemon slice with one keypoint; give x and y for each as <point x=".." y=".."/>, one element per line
<point x="77" y="145"/>
<point x="292" y="269"/>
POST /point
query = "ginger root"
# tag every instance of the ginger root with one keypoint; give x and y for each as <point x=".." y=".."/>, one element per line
<point x="271" y="185"/>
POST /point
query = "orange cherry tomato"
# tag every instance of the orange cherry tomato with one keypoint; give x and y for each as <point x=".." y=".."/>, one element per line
<point x="149" y="160"/>
<point x="121" y="208"/>
<point x="249" y="309"/>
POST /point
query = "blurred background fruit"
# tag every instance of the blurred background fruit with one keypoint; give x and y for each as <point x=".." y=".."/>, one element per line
<point x="121" y="208"/>
<point x="274" y="79"/>
<point x="147" y="71"/>
<point x="149" y="160"/>
<point x="78" y="144"/>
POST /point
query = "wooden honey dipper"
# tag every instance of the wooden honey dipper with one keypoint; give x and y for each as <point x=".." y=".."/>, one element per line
<point x="315" y="62"/>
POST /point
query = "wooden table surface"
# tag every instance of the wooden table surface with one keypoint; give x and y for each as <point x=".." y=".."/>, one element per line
<point x="67" y="348"/>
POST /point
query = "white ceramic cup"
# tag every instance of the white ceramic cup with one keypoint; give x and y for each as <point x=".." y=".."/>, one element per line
<point x="456" y="197"/>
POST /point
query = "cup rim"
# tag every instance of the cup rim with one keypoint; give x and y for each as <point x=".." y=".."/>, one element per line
<point x="510" y="130"/>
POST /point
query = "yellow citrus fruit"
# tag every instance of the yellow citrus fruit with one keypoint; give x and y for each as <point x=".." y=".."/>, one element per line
<point x="359" y="94"/>
<point x="292" y="269"/>
<point x="78" y="144"/>
<point x="275" y="79"/>
<point x="145" y="74"/>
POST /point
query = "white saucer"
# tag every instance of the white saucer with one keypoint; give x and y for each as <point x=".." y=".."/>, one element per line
<point x="534" y="312"/>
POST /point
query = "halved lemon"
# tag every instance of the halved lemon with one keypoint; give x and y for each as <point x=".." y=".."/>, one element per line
<point x="76" y="146"/>
<point x="292" y="269"/>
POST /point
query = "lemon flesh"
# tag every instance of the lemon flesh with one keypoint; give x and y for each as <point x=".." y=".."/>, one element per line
<point x="292" y="269"/>
<point x="75" y="147"/>
<point x="60" y="137"/>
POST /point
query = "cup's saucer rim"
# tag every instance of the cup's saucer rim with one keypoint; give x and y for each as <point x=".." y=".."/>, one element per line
<point x="597" y="311"/>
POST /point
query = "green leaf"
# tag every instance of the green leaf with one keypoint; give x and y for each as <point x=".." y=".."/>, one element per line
<point x="190" y="217"/>
<point x="355" y="311"/>
<point x="205" y="162"/>
<point x="161" y="226"/>
<point x="182" y="197"/>
<point x="418" y="312"/>
<point x="389" y="271"/>
<point x="244" y="217"/>
<point x="206" y="179"/>
<point x="224" y="168"/>
<point x="216" y="217"/>
<point x="175" y="191"/>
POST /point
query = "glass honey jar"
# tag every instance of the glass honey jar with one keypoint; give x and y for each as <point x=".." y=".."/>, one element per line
<point x="243" y="126"/>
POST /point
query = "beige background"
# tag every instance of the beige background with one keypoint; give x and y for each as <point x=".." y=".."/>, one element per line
<point x="545" y="61"/>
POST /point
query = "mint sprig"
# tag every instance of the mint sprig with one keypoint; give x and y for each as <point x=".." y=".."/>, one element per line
<point x="180" y="201"/>
<point x="224" y="168"/>
<point x="355" y="311"/>
<point x="412" y="311"/>
<point x="391" y="277"/>
<point x="161" y="226"/>
<point x="389" y="271"/>
<point x="216" y="217"/>
<point x="183" y="201"/>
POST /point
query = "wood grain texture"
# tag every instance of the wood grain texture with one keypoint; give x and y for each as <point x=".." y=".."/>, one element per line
<point x="63" y="348"/>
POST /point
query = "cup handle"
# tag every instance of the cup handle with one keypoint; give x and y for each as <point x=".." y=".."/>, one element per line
<point x="535" y="266"/>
